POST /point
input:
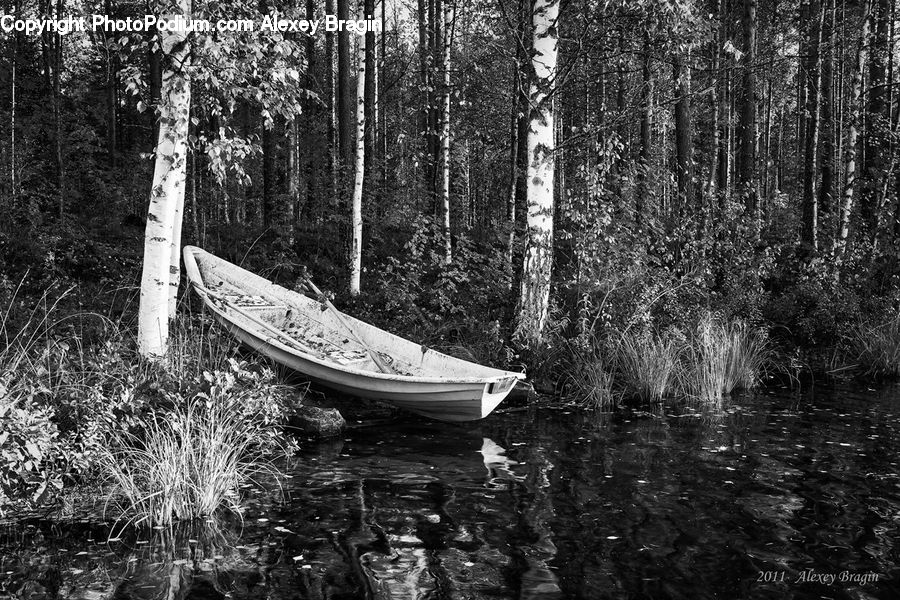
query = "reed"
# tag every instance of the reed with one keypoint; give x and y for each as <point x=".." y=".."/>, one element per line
<point x="877" y="348"/>
<point x="188" y="461"/>
<point x="647" y="365"/>
<point x="721" y="358"/>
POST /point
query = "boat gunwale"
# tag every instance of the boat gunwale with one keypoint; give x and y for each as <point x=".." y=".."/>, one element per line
<point x="193" y="266"/>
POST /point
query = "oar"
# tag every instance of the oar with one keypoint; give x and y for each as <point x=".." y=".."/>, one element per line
<point x="379" y="362"/>
<point x="271" y="329"/>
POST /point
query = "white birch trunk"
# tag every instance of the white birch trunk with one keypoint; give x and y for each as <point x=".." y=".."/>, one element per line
<point x="166" y="194"/>
<point x="445" y="133"/>
<point x="175" y="256"/>
<point x="359" y="170"/>
<point x="856" y="107"/>
<point x="534" y="296"/>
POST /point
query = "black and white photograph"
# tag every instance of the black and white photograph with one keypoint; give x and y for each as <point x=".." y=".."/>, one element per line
<point x="449" y="299"/>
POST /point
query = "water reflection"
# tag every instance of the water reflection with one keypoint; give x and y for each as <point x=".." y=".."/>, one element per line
<point x="543" y="504"/>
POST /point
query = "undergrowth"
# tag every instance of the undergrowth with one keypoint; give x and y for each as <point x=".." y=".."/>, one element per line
<point x="67" y="409"/>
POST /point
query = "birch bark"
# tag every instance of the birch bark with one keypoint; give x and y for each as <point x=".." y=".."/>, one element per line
<point x="359" y="170"/>
<point x="160" y="275"/>
<point x="534" y="296"/>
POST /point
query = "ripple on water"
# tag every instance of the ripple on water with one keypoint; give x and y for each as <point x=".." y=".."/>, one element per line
<point x="537" y="504"/>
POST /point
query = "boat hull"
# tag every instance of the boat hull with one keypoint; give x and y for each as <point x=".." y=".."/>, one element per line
<point x="442" y="401"/>
<point x="468" y="391"/>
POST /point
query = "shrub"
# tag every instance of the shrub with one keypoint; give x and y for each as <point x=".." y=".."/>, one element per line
<point x="28" y="443"/>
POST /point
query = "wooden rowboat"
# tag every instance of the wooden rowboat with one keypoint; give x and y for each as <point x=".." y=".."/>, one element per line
<point x="340" y="352"/>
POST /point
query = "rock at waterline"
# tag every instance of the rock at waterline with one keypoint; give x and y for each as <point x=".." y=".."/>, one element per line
<point x="317" y="422"/>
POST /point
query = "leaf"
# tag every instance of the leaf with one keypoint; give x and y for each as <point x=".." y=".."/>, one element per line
<point x="33" y="450"/>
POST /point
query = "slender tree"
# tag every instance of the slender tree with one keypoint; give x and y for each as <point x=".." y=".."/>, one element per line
<point x="161" y="270"/>
<point x="646" y="100"/>
<point x="445" y="130"/>
<point x="356" y="221"/>
<point x="746" y="155"/>
<point x="851" y="168"/>
<point x="827" y="126"/>
<point x="684" y="148"/>
<point x="534" y="296"/>
<point x="810" y="229"/>
<point x="344" y="90"/>
<point x="878" y="118"/>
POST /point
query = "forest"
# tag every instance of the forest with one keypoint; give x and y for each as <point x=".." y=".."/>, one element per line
<point x="625" y="199"/>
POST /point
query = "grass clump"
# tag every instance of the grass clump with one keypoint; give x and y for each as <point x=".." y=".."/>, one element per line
<point x="647" y="365"/>
<point x="877" y="348"/>
<point x="588" y="377"/>
<point x="188" y="461"/>
<point x="721" y="358"/>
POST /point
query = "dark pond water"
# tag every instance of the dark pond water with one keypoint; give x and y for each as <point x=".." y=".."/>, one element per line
<point x="772" y="497"/>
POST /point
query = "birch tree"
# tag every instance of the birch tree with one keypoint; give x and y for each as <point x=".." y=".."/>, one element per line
<point x="359" y="170"/>
<point x="856" y="110"/>
<point x="161" y="249"/>
<point x="445" y="133"/>
<point x="534" y="294"/>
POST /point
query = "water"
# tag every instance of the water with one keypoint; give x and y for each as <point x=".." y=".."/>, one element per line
<point x="772" y="497"/>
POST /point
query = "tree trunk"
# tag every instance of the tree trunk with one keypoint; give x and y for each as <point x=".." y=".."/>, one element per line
<point x="13" y="60"/>
<point x="330" y="103"/>
<point x="646" y="116"/>
<point x="809" y="231"/>
<point x="269" y="208"/>
<point x="313" y="155"/>
<point x="445" y="132"/>
<point x="875" y="159"/>
<point x="802" y="89"/>
<point x="684" y="147"/>
<point x="766" y="192"/>
<point x="715" y="133"/>
<point x="154" y="60"/>
<point x="746" y="159"/>
<point x="827" y="128"/>
<point x="112" y="82"/>
<point x="359" y="171"/>
<point x="344" y="94"/>
<point x="382" y="96"/>
<point x="513" y="158"/>
<point x="425" y="86"/>
<point x="293" y="165"/>
<point x="851" y="168"/>
<point x="166" y="194"/>
<point x="534" y="297"/>
<point x="371" y="87"/>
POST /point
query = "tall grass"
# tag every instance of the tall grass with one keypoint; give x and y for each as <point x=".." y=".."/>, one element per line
<point x="647" y="365"/>
<point x="720" y="358"/>
<point x="588" y="377"/>
<point x="877" y="348"/>
<point x="187" y="462"/>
